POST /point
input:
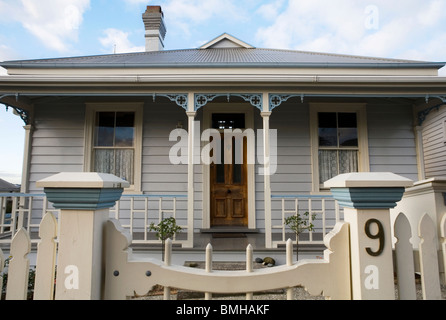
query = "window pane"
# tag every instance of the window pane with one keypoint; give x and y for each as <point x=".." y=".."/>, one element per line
<point x="125" y="131"/>
<point x="328" y="165"/>
<point x="124" y="164"/>
<point x="115" y="161"/>
<point x="334" y="162"/>
<point x="348" y="132"/>
<point x="104" y="161"/>
<point x="348" y="161"/>
<point x="347" y="120"/>
<point x="104" y="129"/>
<point x="328" y="129"/>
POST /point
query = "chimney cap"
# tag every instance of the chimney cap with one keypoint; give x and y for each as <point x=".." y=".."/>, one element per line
<point x="154" y="9"/>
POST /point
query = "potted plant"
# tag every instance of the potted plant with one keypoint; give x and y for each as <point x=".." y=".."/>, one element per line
<point x="166" y="229"/>
<point x="299" y="223"/>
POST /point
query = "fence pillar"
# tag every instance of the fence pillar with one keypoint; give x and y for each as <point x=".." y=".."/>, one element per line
<point x="367" y="199"/>
<point x="84" y="200"/>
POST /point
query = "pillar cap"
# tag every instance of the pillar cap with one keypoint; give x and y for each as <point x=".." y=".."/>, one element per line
<point x="83" y="180"/>
<point x="368" y="180"/>
<point x="368" y="190"/>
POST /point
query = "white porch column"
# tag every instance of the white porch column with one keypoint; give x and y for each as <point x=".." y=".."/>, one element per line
<point x="191" y="113"/>
<point x="266" y="173"/>
<point x="26" y="158"/>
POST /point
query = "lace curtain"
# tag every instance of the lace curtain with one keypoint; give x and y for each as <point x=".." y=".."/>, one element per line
<point x="334" y="162"/>
<point x="118" y="162"/>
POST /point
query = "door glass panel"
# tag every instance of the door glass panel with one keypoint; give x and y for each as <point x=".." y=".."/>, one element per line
<point x="237" y="173"/>
<point x="228" y="120"/>
<point x="236" y="164"/>
<point x="221" y="166"/>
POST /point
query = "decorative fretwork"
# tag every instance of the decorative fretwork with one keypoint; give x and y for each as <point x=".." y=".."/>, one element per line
<point x="423" y="114"/>
<point x="276" y="100"/>
<point x="255" y="99"/>
<point x="179" y="99"/>
<point x="23" y="114"/>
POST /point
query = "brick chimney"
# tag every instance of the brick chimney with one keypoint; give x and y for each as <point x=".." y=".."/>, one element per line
<point x="155" y="28"/>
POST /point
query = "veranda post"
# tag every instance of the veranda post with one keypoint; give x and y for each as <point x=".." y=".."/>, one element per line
<point x="84" y="200"/>
<point x="367" y="199"/>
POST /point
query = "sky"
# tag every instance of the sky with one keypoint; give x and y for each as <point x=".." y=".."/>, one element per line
<point x="33" y="29"/>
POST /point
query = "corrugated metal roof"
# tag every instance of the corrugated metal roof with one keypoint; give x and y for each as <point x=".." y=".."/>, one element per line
<point x="6" y="186"/>
<point x="230" y="57"/>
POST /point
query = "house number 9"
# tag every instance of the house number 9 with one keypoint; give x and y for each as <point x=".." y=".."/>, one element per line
<point x="378" y="235"/>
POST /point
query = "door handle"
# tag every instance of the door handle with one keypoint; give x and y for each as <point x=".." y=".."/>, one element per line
<point x="229" y="191"/>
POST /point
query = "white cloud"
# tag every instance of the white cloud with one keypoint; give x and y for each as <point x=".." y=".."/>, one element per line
<point x="270" y="10"/>
<point x="391" y="29"/>
<point x="6" y="53"/>
<point x="183" y="14"/>
<point x="136" y="2"/>
<point x="117" y="41"/>
<point x="55" y="23"/>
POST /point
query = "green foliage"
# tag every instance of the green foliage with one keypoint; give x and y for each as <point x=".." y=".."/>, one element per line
<point x="166" y="229"/>
<point x="300" y="223"/>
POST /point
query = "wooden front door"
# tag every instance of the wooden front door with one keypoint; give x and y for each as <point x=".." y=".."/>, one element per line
<point x="229" y="187"/>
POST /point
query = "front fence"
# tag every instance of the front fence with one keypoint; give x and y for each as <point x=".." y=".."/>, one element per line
<point x="329" y="276"/>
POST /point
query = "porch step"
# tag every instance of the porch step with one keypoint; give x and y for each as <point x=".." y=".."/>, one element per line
<point x="229" y="230"/>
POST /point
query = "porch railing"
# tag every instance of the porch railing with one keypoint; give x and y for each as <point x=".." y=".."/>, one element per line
<point x="135" y="212"/>
<point x="324" y="208"/>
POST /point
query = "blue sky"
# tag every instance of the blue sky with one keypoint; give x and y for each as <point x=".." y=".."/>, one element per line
<point x="31" y="29"/>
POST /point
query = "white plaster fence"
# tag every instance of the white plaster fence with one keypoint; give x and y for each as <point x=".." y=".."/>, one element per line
<point x="95" y="261"/>
<point x="329" y="276"/>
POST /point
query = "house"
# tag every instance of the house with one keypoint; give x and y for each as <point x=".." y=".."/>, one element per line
<point x="6" y="186"/>
<point x="158" y="118"/>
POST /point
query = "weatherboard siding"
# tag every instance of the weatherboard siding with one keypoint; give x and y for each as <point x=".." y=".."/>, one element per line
<point x="58" y="145"/>
<point x="57" y="141"/>
<point x="434" y="143"/>
<point x="392" y="140"/>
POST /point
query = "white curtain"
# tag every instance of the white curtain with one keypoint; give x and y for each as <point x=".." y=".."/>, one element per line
<point x="115" y="161"/>
<point x="329" y="166"/>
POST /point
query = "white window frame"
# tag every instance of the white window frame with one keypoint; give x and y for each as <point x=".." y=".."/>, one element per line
<point x="363" y="145"/>
<point x="90" y="114"/>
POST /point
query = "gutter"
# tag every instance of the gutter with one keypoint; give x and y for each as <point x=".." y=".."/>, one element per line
<point x="35" y="79"/>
